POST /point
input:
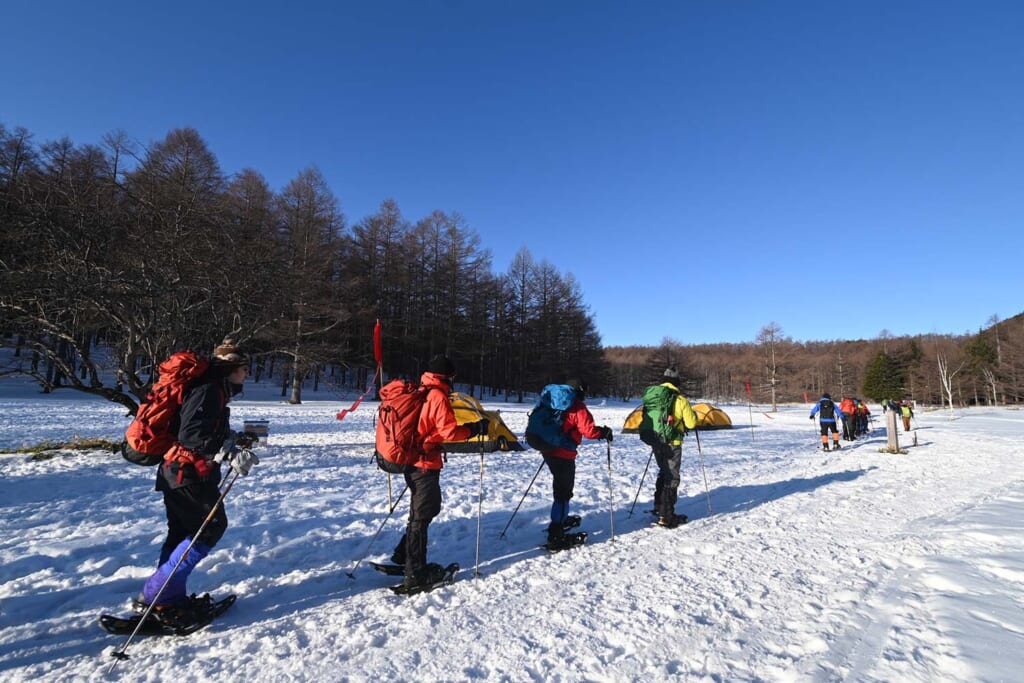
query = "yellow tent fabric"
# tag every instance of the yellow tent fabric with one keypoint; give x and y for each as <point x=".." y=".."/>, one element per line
<point x="708" y="417"/>
<point x="499" y="436"/>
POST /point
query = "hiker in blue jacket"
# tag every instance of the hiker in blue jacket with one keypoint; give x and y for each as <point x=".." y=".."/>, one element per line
<point x="826" y="411"/>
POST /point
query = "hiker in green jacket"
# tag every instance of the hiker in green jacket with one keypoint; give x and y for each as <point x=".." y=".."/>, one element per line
<point x="667" y="417"/>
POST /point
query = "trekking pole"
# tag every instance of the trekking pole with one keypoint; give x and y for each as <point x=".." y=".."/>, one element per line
<point x="750" y="409"/>
<point x="700" y="454"/>
<point x="502" y="534"/>
<point x="479" y="508"/>
<point x="611" y="496"/>
<point x="640" y="487"/>
<point x="389" y="490"/>
<point x="120" y="653"/>
<point x="352" y="574"/>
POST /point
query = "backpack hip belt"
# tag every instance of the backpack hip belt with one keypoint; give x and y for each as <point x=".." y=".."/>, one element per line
<point x="185" y="456"/>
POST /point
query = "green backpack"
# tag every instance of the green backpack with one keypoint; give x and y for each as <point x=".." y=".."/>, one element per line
<point x="654" y="427"/>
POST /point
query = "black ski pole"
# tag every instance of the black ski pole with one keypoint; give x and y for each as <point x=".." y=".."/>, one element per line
<point x="640" y="487"/>
<point x="502" y="534"/>
<point x="352" y="574"/>
<point x="611" y="496"/>
<point x="120" y="653"/>
<point x="700" y="454"/>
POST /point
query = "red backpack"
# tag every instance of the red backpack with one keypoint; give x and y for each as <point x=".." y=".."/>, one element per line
<point x="150" y="434"/>
<point x="397" y="441"/>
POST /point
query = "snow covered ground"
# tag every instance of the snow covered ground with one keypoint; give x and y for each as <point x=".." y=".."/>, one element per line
<point x="810" y="566"/>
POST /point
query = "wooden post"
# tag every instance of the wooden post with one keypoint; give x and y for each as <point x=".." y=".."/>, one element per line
<point x="892" y="432"/>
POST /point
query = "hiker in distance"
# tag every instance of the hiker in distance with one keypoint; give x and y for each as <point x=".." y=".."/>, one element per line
<point x="558" y="424"/>
<point x="848" y="412"/>
<point x="189" y="477"/>
<point x="667" y="416"/>
<point x="437" y="424"/>
<point x="906" y="412"/>
<point x="827" y="412"/>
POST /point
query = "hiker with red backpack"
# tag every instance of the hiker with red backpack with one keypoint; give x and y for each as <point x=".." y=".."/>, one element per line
<point x="435" y="425"/>
<point x="558" y="423"/>
<point x="848" y="412"/>
<point x="667" y="416"/>
<point x="189" y="478"/>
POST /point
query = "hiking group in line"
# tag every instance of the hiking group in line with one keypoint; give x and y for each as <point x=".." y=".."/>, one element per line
<point x="183" y="426"/>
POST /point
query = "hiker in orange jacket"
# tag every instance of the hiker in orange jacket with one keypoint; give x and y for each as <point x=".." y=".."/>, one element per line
<point x="847" y="408"/>
<point x="437" y="424"/>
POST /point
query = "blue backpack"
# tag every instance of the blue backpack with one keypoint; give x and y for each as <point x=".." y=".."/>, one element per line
<point x="544" y="428"/>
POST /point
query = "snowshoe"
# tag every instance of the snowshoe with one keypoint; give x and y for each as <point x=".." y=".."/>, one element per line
<point x="389" y="569"/>
<point x="672" y="521"/>
<point x="178" y="620"/>
<point x="565" y="542"/>
<point x="427" y="579"/>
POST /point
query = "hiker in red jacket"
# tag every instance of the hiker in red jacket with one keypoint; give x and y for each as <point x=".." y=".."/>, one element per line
<point x="577" y="424"/>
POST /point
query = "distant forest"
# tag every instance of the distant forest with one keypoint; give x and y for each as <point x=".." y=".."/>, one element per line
<point x="114" y="255"/>
<point x="986" y="368"/>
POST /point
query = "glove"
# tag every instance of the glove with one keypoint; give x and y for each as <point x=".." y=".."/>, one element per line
<point x="811" y="417"/>
<point x="246" y="440"/>
<point x="479" y="427"/>
<point x="607" y="434"/>
<point x="242" y="460"/>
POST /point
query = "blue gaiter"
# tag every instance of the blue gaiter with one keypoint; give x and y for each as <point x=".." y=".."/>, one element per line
<point x="175" y="591"/>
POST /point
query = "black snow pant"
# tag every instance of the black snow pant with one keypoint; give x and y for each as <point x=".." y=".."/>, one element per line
<point x="666" y="488"/>
<point x="563" y="479"/>
<point x="848" y="430"/>
<point x="187" y="509"/>
<point x="424" y="505"/>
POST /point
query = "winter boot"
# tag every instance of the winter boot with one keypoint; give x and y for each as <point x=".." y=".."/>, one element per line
<point x="671" y="521"/>
<point x="836" y="446"/>
<point x="427" y="575"/>
<point x="824" y="446"/>
<point x="184" y="613"/>
<point x="571" y="522"/>
<point x="556" y="534"/>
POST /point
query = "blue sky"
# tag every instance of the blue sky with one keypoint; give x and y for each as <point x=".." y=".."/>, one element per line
<point x="702" y="168"/>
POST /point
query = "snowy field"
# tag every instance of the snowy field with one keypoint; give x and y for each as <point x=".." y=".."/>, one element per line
<point x="809" y="566"/>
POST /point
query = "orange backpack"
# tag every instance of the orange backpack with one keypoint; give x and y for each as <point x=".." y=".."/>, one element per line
<point x="397" y="440"/>
<point x="151" y="433"/>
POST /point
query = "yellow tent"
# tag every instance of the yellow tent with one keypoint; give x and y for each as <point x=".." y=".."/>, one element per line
<point x="499" y="437"/>
<point x="708" y="417"/>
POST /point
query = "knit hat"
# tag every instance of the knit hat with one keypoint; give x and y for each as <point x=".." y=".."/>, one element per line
<point x="825" y="395"/>
<point x="578" y="385"/>
<point x="672" y="375"/>
<point x="229" y="354"/>
<point x="441" y="365"/>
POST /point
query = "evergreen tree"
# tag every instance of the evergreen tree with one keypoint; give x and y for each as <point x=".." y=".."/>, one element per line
<point x="883" y="379"/>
